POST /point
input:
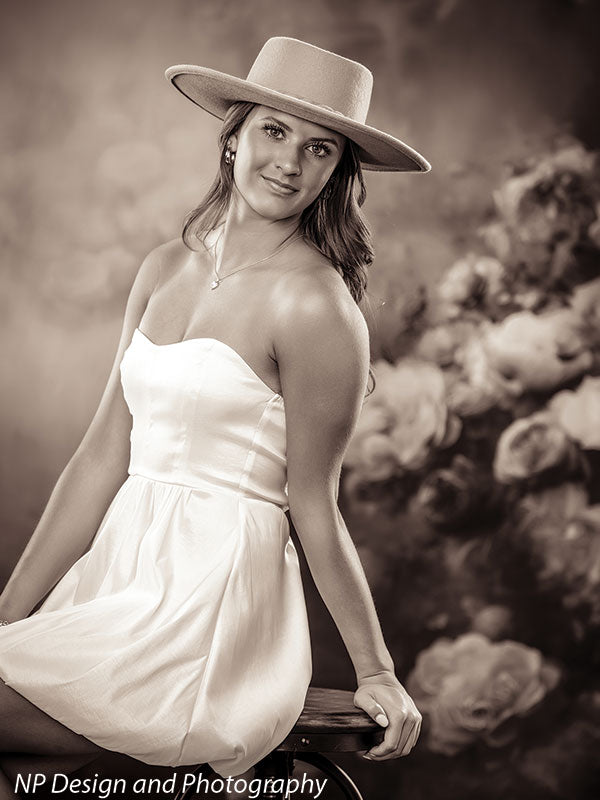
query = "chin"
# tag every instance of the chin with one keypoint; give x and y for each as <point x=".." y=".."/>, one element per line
<point x="276" y="210"/>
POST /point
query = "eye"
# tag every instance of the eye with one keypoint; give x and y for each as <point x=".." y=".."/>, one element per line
<point x="322" y="147"/>
<point x="271" y="130"/>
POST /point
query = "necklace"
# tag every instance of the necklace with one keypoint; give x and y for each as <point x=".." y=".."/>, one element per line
<point x="218" y="280"/>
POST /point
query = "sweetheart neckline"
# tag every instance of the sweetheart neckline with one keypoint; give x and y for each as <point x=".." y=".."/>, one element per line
<point x="223" y="344"/>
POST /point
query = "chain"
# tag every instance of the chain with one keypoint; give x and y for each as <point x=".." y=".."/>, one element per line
<point x="218" y="280"/>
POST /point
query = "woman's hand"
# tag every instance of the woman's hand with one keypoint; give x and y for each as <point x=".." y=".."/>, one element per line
<point x="387" y="702"/>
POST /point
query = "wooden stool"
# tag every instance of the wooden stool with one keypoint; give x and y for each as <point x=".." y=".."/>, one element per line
<point x="329" y="723"/>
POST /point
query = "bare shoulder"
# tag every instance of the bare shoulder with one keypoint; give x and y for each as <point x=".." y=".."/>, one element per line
<point x="313" y="299"/>
<point x="166" y="258"/>
<point x="321" y="342"/>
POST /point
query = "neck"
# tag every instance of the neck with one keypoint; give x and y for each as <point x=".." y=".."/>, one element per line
<point x="243" y="239"/>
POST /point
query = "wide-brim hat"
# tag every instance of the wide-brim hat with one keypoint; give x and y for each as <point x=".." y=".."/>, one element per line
<point x="309" y="82"/>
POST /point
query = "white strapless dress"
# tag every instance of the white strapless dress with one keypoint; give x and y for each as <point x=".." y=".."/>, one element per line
<point x="181" y="635"/>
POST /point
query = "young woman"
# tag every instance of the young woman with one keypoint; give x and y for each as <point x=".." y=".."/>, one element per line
<point x="180" y="635"/>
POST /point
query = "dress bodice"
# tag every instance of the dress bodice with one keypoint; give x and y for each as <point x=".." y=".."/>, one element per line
<point x="203" y="418"/>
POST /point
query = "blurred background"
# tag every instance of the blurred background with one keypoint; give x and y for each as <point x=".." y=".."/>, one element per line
<point x="471" y="487"/>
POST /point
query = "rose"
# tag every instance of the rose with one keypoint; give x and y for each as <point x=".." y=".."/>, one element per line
<point x="585" y="302"/>
<point x="473" y="385"/>
<point x="578" y="412"/>
<point x="557" y="504"/>
<point x="532" y="448"/>
<point x="443" y="342"/>
<point x="545" y="212"/>
<point x="478" y="385"/>
<point x="470" y="686"/>
<point x="538" y="352"/>
<point x="551" y="196"/>
<point x="471" y="282"/>
<point x="404" y="419"/>
<point x="370" y="452"/>
<point x="448" y="497"/>
<point x="580" y="557"/>
<point x="415" y="392"/>
<point x="461" y="286"/>
<point x="562" y="533"/>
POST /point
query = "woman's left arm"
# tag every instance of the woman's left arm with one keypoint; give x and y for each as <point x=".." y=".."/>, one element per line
<point x="322" y="350"/>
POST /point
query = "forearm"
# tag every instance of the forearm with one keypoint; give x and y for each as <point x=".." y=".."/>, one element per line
<point x="71" y="518"/>
<point x="338" y="574"/>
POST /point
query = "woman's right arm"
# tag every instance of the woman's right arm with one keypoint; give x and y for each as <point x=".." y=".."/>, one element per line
<point x="90" y="480"/>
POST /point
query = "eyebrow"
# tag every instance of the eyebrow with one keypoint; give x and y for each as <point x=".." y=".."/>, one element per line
<point x="312" y="138"/>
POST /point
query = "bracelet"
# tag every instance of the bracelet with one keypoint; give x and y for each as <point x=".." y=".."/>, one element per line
<point x="4" y="622"/>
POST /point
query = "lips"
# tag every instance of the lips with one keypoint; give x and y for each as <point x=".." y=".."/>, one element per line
<point x="280" y="188"/>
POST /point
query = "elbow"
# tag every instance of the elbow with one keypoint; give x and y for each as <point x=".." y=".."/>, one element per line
<point x="313" y="506"/>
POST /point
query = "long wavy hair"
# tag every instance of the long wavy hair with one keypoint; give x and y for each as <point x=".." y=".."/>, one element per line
<point x="333" y="222"/>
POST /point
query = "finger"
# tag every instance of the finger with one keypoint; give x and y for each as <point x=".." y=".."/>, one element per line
<point x="390" y="741"/>
<point x="411" y="741"/>
<point x="398" y="742"/>
<point x="374" y="710"/>
<point x="404" y="735"/>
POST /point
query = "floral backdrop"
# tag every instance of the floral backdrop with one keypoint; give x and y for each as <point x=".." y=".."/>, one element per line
<point x="471" y="485"/>
<point x="473" y="479"/>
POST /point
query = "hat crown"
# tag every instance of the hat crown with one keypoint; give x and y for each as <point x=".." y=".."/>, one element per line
<point x="314" y="75"/>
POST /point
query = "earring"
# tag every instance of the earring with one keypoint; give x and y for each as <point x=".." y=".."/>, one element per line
<point x="229" y="156"/>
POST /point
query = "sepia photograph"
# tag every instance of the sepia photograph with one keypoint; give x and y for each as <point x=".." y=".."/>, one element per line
<point x="300" y="407"/>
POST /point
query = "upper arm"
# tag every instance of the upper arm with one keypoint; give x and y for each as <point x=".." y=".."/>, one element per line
<point x="322" y="350"/>
<point x="107" y="436"/>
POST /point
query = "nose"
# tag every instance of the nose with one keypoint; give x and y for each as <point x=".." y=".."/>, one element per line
<point x="288" y="161"/>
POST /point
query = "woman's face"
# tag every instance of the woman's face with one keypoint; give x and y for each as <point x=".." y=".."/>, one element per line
<point x="274" y="148"/>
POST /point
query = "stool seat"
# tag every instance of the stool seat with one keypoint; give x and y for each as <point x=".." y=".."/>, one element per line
<point x="329" y="723"/>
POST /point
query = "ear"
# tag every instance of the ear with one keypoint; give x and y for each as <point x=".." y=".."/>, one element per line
<point x="232" y="142"/>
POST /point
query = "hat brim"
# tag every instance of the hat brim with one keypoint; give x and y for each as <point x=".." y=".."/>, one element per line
<point x="215" y="91"/>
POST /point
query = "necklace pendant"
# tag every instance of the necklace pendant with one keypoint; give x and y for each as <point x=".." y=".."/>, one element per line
<point x="215" y="283"/>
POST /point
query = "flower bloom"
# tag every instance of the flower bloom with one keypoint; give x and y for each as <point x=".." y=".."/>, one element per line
<point x="470" y="686"/>
<point x="450" y="496"/>
<point x="471" y="282"/>
<point x="538" y="352"/>
<point x="532" y="447"/>
<point x="562" y="533"/>
<point x="402" y="421"/>
<point x="578" y="412"/>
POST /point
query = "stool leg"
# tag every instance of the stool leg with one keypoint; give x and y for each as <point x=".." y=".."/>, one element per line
<point x="337" y="774"/>
<point x="190" y="793"/>
<point x="183" y="795"/>
<point x="277" y="765"/>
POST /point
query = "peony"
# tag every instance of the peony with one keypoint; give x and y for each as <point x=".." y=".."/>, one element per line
<point x="405" y="418"/>
<point x="471" y="282"/>
<point x="585" y="302"/>
<point x="558" y="504"/>
<point x="545" y="212"/>
<point x="478" y="385"/>
<point x="442" y="343"/>
<point x="449" y="497"/>
<point x="538" y="352"/>
<point x="534" y="447"/>
<point x="578" y="412"/>
<point x="470" y="686"/>
<point x="562" y="533"/>
<point x="552" y="200"/>
<point x="370" y="450"/>
<point x="580" y="552"/>
<point x="416" y="394"/>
